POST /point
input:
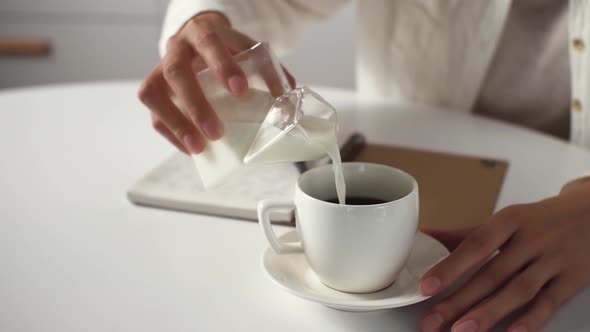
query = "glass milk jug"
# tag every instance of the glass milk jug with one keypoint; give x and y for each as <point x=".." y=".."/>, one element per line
<point x="270" y="123"/>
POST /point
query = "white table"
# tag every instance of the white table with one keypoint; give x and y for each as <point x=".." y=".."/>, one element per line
<point x="75" y="255"/>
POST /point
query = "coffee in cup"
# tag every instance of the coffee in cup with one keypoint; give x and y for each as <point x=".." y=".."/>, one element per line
<point x="358" y="247"/>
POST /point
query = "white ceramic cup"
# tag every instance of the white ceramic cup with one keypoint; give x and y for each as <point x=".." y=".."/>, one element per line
<point x="351" y="248"/>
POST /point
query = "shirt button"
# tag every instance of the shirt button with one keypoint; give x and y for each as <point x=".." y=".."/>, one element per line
<point x="578" y="44"/>
<point x="576" y="105"/>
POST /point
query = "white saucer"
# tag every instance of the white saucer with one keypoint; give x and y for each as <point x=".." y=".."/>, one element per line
<point x="292" y="273"/>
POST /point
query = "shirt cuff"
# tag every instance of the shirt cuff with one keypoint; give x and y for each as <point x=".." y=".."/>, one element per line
<point x="181" y="11"/>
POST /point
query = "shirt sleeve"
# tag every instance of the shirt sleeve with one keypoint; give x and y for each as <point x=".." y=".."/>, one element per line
<point x="279" y="22"/>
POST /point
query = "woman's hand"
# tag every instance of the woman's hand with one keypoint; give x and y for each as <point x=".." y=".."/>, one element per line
<point x="206" y="40"/>
<point x="543" y="260"/>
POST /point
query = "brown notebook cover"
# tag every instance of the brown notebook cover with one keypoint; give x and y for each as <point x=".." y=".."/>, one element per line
<point x="456" y="191"/>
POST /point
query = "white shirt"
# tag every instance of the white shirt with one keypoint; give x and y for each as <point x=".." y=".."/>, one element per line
<point x="443" y="53"/>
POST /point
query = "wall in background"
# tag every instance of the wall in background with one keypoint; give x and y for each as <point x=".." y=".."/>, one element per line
<point x="117" y="39"/>
<point x="88" y="40"/>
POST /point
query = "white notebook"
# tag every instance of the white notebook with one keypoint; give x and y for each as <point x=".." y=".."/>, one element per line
<point x="175" y="184"/>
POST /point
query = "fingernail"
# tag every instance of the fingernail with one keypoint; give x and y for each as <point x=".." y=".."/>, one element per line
<point x="237" y="84"/>
<point x="192" y="144"/>
<point x="429" y="286"/>
<point x="432" y="322"/>
<point x="467" y="326"/>
<point x="519" y="329"/>
<point x="212" y="129"/>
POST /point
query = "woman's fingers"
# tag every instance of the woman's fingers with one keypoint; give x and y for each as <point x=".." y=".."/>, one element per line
<point x="488" y="279"/>
<point x="153" y="94"/>
<point x="206" y="42"/>
<point x="477" y="247"/>
<point x="161" y="128"/>
<point x="552" y="234"/>
<point x="236" y="41"/>
<point x="177" y="69"/>
<point x="546" y="304"/>
<point x="521" y="290"/>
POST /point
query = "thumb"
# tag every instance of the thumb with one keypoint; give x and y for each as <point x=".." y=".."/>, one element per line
<point x="450" y="238"/>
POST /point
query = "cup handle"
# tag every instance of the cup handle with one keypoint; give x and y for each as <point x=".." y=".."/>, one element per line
<point x="264" y="209"/>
